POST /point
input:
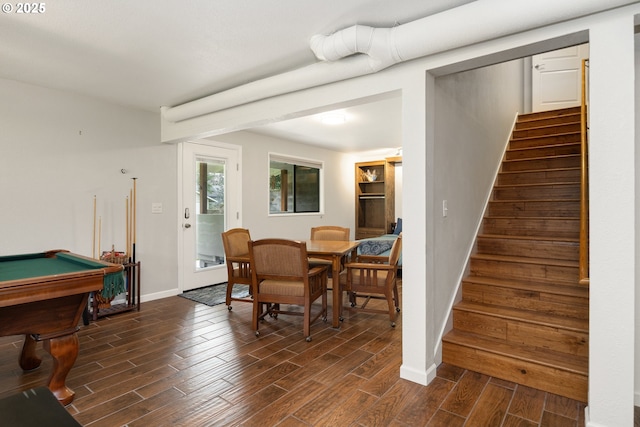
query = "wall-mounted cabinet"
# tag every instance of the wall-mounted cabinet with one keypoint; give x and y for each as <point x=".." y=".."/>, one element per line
<point x="375" y="198"/>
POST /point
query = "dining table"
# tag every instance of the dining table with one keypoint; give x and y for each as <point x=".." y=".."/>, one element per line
<point x="334" y="251"/>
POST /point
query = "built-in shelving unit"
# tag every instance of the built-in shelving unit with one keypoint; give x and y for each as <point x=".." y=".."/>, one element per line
<point x="375" y="198"/>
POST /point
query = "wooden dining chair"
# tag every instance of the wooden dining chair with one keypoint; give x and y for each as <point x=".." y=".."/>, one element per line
<point x="328" y="232"/>
<point x="281" y="276"/>
<point x="236" y="250"/>
<point x="374" y="277"/>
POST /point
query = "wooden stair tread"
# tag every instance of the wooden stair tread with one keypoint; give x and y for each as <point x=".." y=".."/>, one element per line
<point x="549" y="113"/>
<point x="536" y="184"/>
<point x="534" y="137"/>
<point x="533" y="218"/>
<point x="526" y="316"/>
<point x="532" y="201"/>
<point x="532" y="238"/>
<point x="527" y="260"/>
<point x="565" y="118"/>
<point x="539" y="115"/>
<point x="539" y="170"/>
<point x="568" y="122"/>
<point x="550" y="288"/>
<point x="575" y="364"/>
<point x="538" y="147"/>
<point x="559" y="156"/>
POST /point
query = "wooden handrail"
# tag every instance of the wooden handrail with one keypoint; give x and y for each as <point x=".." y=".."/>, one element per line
<point x="584" y="184"/>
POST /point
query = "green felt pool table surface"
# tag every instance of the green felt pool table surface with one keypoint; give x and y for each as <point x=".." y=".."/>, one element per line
<point x="16" y="267"/>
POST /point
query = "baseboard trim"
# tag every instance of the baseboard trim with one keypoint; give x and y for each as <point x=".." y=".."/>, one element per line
<point x="159" y="295"/>
<point x="420" y="377"/>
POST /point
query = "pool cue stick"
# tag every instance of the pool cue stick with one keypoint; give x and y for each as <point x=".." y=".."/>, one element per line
<point x="134" y="209"/>
<point x="126" y="233"/>
<point x="93" y="239"/>
<point x="129" y="248"/>
<point x="99" y="234"/>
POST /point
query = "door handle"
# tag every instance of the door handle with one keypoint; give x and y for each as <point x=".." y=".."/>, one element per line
<point x="539" y="66"/>
<point x="187" y="225"/>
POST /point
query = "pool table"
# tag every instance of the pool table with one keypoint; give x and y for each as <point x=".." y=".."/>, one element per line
<point x="43" y="296"/>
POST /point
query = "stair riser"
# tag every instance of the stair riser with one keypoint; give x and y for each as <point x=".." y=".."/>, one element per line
<point x="561" y="275"/>
<point x="526" y="248"/>
<point x="561" y="228"/>
<point x="545" y="140"/>
<point x="552" y="380"/>
<point x="543" y="302"/>
<point x="547" y="130"/>
<point x="569" y="118"/>
<point x="514" y="332"/>
<point x="533" y="153"/>
<point x="539" y="177"/>
<point x="538" y="192"/>
<point x="571" y="161"/>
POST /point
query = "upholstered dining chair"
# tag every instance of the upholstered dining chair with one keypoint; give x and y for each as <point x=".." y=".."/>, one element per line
<point x="236" y="250"/>
<point x="281" y="276"/>
<point x="374" y="277"/>
<point x="328" y="232"/>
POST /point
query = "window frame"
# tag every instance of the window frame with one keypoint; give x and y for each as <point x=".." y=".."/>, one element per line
<point x="296" y="161"/>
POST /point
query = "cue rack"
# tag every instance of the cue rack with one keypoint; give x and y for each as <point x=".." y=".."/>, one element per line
<point x="98" y="306"/>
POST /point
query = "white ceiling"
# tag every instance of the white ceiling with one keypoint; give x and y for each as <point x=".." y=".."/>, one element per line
<point x="368" y="127"/>
<point x="151" y="53"/>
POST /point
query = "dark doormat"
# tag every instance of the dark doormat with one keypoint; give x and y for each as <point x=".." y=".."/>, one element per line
<point x="215" y="294"/>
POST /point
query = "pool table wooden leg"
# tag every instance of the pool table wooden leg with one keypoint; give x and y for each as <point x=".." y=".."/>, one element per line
<point x="64" y="351"/>
<point x="28" y="358"/>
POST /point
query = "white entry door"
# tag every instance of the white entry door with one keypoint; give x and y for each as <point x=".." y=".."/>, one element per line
<point x="556" y="78"/>
<point x="210" y="184"/>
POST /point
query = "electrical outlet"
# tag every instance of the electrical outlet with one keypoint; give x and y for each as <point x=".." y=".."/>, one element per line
<point x="445" y="210"/>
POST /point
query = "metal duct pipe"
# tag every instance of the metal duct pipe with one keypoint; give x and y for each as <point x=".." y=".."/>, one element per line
<point x="377" y="43"/>
<point x="303" y="78"/>
<point x="361" y="50"/>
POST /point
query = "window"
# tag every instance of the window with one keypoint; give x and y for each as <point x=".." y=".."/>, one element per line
<point x="295" y="185"/>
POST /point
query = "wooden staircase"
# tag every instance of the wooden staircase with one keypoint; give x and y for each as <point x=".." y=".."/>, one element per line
<point x="523" y="316"/>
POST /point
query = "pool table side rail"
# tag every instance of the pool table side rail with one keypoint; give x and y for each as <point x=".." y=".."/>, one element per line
<point x="49" y="287"/>
<point x="21" y="291"/>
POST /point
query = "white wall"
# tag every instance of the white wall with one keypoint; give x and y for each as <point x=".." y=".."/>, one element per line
<point x="58" y="151"/>
<point x="637" y="219"/>
<point x="474" y="113"/>
<point x="339" y="187"/>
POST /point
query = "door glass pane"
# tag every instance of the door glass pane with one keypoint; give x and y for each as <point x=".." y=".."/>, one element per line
<point x="210" y="213"/>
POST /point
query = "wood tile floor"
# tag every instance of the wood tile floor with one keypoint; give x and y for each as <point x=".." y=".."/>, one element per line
<point x="180" y="363"/>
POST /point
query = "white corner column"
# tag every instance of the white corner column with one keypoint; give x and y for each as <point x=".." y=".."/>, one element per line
<point x="417" y="311"/>
<point x="612" y="222"/>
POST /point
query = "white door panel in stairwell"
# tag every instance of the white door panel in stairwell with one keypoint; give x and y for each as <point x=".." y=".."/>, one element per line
<point x="556" y="78"/>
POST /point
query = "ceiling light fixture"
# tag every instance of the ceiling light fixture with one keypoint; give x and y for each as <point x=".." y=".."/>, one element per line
<point x="333" y="118"/>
